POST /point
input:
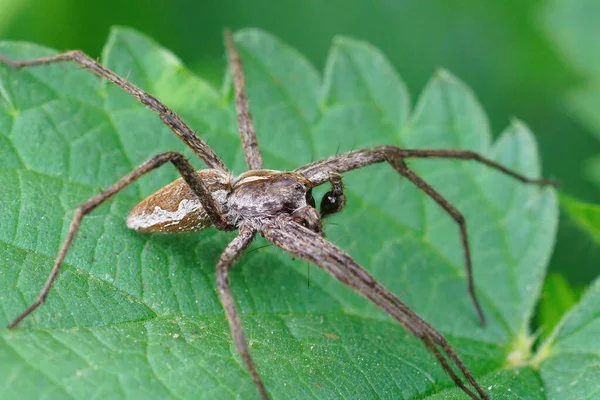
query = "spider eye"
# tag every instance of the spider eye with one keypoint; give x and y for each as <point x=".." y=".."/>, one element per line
<point x="299" y="187"/>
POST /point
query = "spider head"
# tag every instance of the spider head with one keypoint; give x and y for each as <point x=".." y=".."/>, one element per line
<point x="309" y="218"/>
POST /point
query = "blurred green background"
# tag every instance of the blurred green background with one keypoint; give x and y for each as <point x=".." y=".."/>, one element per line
<point x="536" y="60"/>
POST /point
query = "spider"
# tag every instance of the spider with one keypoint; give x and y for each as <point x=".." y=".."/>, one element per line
<point x="275" y="204"/>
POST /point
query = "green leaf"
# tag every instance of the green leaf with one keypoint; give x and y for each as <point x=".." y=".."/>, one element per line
<point x="578" y="247"/>
<point x="586" y="216"/>
<point x="569" y="359"/>
<point x="556" y="299"/>
<point x="137" y="316"/>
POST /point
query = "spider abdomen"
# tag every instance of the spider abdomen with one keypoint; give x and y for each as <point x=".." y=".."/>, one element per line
<point x="176" y="209"/>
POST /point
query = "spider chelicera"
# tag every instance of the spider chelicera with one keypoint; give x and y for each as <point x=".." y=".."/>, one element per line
<point x="276" y="205"/>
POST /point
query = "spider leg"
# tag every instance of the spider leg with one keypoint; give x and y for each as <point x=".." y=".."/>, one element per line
<point x="308" y="245"/>
<point x="229" y="256"/>
<point x="319" y="172"/>
<point x="172" y="120"/>
<point x="187" y="172"/>
<point x="400" y="166"/>
<point x="244" y="118"/>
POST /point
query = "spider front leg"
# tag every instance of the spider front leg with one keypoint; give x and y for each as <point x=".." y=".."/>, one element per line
<point x="172" y="120"/>
<point x="187" y="172"/>
<point x="399" y="165"/>
<point x="229" y="256"/>
<point x="319" y="172"/>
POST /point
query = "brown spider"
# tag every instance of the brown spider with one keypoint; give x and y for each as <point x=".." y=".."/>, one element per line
<point x="277" y="205"/>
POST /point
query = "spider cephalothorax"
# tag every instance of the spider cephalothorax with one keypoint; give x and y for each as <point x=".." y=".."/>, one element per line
<point x="266" y="193"/>
<point x="277" y="205"/>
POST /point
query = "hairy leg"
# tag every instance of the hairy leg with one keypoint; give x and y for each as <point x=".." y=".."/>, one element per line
<point x="229" y="256"/>
<point x="400" y="166"/>
<point x="308" y="245"/>
<point x="244" y="118"/>
<point x="172" y="120"/>
<point x="187" y="172"/>
<point x="320" y="172"/>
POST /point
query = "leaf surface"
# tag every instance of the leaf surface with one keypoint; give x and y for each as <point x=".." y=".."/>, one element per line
<point x="137" y="316"/>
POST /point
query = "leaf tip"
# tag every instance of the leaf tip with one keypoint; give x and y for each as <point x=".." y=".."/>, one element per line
<point x="356" y="45"/>
<point x="250" y="32"/>
<point x="444" y="75"/>
<point x="518" y="124"/>
<point x="120" y="29"/>
<point x="521" y="132"/>
<point x="339" y="40"/>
